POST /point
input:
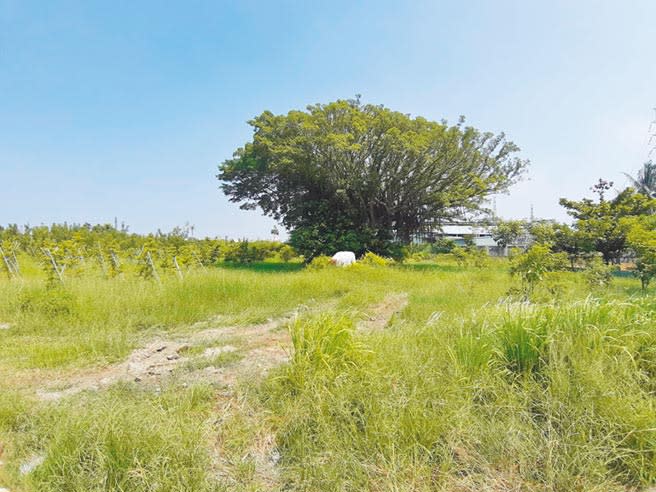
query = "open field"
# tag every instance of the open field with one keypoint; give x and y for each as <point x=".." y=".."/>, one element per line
<point x="273" y="377"/>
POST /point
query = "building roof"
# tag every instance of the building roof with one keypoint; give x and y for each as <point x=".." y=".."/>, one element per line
<point x="464" y="230"/>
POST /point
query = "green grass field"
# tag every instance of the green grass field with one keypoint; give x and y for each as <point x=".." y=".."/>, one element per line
<point x="455" y="385"/>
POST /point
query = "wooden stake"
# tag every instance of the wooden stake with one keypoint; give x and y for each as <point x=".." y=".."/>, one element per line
<point x="177" y="268"/>
<point x="152" y="267"/>
<point x="200" y="262"/>
<point x="8" y="264"/>
<point x="53" y="262"/>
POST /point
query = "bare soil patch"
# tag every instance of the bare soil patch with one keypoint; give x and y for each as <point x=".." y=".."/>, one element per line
<point x="381" y="314"/>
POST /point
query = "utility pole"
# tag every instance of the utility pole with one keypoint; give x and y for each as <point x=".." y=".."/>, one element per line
<point x="652" y="136"/>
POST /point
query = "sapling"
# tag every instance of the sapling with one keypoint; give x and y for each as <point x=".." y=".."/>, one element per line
<point x="533" y="265"/>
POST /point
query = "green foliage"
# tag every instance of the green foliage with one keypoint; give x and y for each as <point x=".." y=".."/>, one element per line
<point x="597" y="273"/>
<point x="442" y="246"/>
<point x="533" y="265"/>
<point x="320" y="262"/>
<point x="66" y="251"/>
<point x="642" y="239"/>
<point x="323" y="345"/>
<point x="470" y="256"/>
<point x="508" y="232"/>
<point x="286" y="253"/>
<point x="645" y="270"/>
<point x="323" y="239"/>
<point x="372" y="259"/>
<point x="600" y="223"/>
<point x="561" y="238"/>
<point x="126" y="440"/>
<point x="460" y="255"/>
<point x="348" y="176"/>
<point x="416" y="252"/>
<point x="244" y="252"/>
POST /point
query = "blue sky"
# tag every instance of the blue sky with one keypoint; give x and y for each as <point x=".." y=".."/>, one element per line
<point x="126" y="108"/>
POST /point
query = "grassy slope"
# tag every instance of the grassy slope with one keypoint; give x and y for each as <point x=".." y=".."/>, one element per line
<point x="555" y="397"/>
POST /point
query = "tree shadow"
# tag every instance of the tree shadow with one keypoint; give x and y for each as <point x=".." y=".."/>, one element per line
<point x="430" y="267"/>
<point x="264" y="267"/>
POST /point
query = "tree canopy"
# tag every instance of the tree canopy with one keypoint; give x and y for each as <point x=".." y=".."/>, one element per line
<point x="345" y="174"/>
<point x="506" y="232"/>
<point x="599" y="223"/>
<point x="641" y="237"/>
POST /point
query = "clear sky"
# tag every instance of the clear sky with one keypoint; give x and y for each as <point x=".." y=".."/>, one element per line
<point x="125" y="108"/>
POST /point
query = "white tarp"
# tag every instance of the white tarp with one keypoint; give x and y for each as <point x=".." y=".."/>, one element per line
<point x="344" y="258"/>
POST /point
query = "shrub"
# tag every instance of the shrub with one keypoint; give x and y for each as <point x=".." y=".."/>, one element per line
<point x="645" y="270"/>
<point x="478" y="257"/>
<point x="597" y="273"/>
<point x="470" y="256"/>
<point x="286" y="253"/>
<point x="442" y="245"/>
<point x="320" y="262"/>
<point x="460" y="255"/>
<point x="244" y="252"/>
<point x="532" y="266"/>
<point x="372" y="259"/>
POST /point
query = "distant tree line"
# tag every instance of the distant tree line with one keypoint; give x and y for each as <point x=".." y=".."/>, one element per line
<point x="69" y="249"/>
<point x="611" y="227"/>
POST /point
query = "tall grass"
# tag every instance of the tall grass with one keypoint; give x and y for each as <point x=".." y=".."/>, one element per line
<point x="468" y="391"/>
<point x="92" y="320"/>
<point x="516" y="398"/>
<point x="124" y="439"/>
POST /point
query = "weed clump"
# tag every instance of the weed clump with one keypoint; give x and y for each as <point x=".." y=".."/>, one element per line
<point x="125" y="439"/>
<point x="374" y="260"/>
<point x="320" y="262"/>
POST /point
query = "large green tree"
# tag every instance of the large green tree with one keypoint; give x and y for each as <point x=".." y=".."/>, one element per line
<point x="349" y="175"/>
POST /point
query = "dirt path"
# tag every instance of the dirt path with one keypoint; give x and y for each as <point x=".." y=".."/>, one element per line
<point x="381" y="314"/>
<point x="249" y="352"/>
<point x="261" y="347"/>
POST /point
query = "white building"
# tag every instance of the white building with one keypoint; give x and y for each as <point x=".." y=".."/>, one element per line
<point x="480" y="235"/>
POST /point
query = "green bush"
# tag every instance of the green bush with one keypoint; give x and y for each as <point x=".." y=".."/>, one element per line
<point x="460" y="255"/>
<point x="470" y="256"/>
<point x="286" y="253"/>
<point x="533" y="265"/>
<point x="597" y="273"/>
<point x="244" y="252"/>
<point x="441" y="246"/>
<point x="320" y="262"/>
<point x="372" y="259"/>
